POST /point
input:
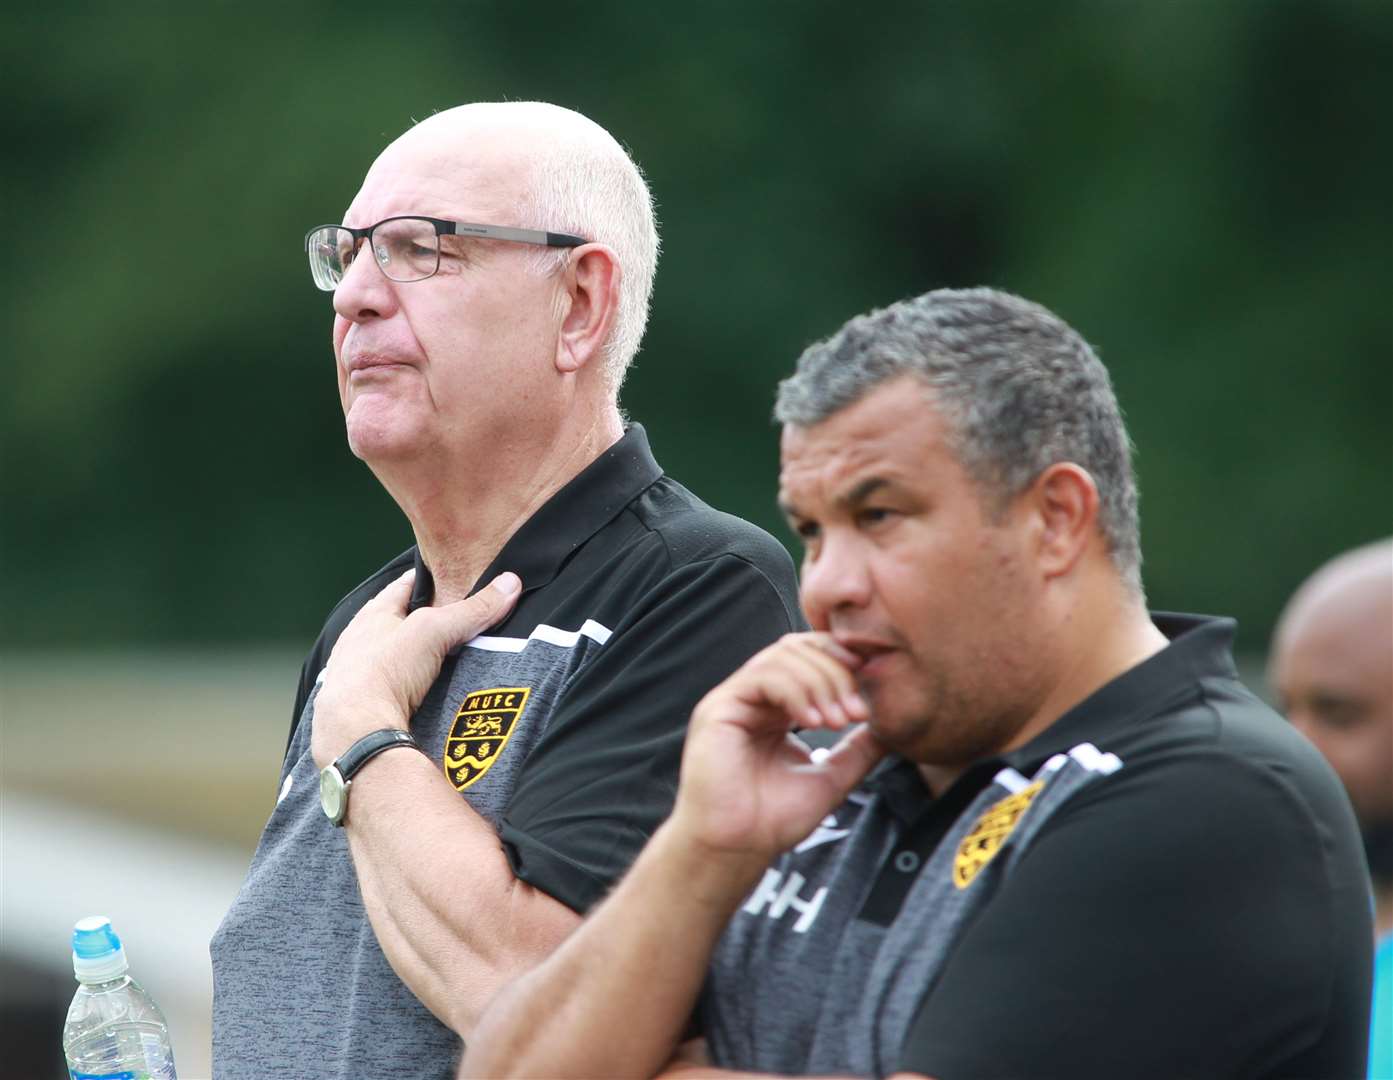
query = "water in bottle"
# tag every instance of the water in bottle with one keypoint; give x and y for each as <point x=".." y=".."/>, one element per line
<point x="114" y="1031"/>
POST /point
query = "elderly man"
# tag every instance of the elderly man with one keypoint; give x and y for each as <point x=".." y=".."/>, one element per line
<point x="491" y="282"/>
<point x="1332" y="668"/>
<point x="1066" y="841"/>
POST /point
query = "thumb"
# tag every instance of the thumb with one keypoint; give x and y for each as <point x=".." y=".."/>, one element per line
<point x="856" y="754"/>
<point x="457" y="622"/>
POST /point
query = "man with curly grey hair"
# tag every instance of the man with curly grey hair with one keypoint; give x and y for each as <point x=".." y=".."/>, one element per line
<point x="1056" y="835"/>
<point x="1020" y="389"/>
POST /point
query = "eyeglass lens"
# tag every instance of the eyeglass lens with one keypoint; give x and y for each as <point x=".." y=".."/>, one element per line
<point x="407" y="249"/>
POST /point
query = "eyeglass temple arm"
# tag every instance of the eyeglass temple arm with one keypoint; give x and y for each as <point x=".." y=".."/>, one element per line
<point x="522" y="236"/>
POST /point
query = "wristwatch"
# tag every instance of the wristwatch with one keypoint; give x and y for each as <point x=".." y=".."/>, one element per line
<point x="336" y="779"/>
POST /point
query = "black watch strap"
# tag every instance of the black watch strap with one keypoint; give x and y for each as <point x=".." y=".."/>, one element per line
<point x="369" y="746"/>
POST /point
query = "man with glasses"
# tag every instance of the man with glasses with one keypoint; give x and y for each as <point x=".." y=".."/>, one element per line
<point x="490" y="283"/>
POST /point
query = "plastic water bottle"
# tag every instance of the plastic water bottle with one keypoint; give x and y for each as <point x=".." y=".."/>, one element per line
<point x="114" y="1031"/>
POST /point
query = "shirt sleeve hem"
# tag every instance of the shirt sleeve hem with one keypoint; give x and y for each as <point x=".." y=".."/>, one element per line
<point x="545" y="868"/>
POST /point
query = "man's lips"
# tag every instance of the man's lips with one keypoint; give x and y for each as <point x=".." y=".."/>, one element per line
<point x="371" y="360"/>
<point x="870" y="650"/>
<point x="371" y="364"/>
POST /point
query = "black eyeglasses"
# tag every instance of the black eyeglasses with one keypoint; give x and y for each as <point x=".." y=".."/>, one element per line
<point x="407" y="248"/>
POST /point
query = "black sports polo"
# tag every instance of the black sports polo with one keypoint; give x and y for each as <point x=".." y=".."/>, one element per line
<point x="1168" y="882"/>
<point x="562" y="726"/>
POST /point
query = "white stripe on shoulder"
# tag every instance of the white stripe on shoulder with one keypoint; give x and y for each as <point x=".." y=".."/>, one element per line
<point x="550" y="635"/>
<point x="1086" y="755"/>
<point x="1092" y="759"/>
<point x="1011" y="780"/>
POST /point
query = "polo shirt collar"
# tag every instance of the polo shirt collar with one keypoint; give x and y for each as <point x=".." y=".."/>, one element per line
<point x="1200" y="648"/>
<point x="580" y="509"/>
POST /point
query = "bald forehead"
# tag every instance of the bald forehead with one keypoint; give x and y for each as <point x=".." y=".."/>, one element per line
<point x="450" y="177"/>
<point x="493" y="133"/>
<point x="455" y="153"/>
<point x="1350" y="599"/>
<point x="524" y="119"/>
<point x="475" y="158"/>
<point x="1359" y="581"/>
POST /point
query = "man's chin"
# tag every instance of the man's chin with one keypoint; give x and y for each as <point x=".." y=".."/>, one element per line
<point x="926" y="736"/>
<point x="378" y="439"/>
<point x="375" y="450"/>
<point x="898" y="729"/>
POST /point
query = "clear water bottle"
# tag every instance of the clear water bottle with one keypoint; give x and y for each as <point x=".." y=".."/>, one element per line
<point x="114" y="1031"/>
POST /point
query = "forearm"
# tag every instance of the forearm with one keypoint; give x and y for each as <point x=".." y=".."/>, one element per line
<point x="691" y="1064"/>
<point x="691" y="1071"/>
<point x="615" y="998"/>
<point x="453" y="921"/>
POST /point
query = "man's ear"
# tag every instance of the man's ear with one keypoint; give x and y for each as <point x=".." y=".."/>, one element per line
<point x="1065" y="502"/>
<point x="591" y="282"/>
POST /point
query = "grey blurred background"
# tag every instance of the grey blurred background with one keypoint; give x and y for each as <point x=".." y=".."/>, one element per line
<point x="1202" y="188"/>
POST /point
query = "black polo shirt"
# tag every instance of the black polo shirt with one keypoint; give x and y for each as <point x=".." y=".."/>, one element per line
<point x="1165" y="883"/>
<point x="562" y="726"/>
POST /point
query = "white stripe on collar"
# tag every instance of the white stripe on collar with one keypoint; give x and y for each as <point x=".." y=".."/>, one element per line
<point x="550" y="635"/>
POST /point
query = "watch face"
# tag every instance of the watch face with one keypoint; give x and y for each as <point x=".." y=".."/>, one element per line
<point x="333" y="794"/>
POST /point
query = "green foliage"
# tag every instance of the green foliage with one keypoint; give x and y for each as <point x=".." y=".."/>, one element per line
<point x="1202" y="189"/>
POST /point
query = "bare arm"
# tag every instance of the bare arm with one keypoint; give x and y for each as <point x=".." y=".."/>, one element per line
<point x="615" y="998"/>
<point x="450" y="916"/>
<point x="689" y="1070"/>
<point x="453" y="921"/>
<point x="691" y="1064"/>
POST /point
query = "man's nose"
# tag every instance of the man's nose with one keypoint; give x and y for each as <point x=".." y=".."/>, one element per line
<point x="365" y="291"/>
<point x="835" y="578"/>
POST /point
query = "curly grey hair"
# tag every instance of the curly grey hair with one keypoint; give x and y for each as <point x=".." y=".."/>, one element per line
<point x="1019" y="388"/>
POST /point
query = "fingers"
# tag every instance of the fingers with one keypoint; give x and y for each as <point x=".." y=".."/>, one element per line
<point x="455" y="623"/>
<point x="809" y="678"/>
<point x="396" y="596"/>
<point x="830" y="646"/>
<point x="847" y="763"/>
<point x="834" y="700"/>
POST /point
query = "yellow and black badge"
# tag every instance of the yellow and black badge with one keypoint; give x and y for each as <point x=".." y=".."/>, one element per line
<point x="990" y="832"/>
<point x="480" y="731"/>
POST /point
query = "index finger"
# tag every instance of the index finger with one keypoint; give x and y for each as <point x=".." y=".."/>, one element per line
<point x="396" y="595"/>
<point x="828" y="644"/>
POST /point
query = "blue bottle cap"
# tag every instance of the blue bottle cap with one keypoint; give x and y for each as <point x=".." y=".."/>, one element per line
<point x="97" y="951"/>
<point x="93" y="937"/>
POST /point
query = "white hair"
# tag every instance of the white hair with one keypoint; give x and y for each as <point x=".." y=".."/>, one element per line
<point x="589" y="186"/>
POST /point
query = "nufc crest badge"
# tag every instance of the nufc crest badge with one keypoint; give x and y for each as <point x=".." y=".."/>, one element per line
<point x="990" y="832"/>
<point x="480" y="732"/>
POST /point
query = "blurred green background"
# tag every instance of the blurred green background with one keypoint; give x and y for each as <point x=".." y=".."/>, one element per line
<point x="1202" y="188"/>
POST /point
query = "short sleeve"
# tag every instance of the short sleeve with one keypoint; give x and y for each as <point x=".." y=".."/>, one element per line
<point x="604" y="775"/>
<point x="1189" y="919"/>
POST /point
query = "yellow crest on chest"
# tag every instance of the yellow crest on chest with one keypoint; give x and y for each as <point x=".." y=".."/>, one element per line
<point x="980" y="845"/>
<point x="481" y="729"/>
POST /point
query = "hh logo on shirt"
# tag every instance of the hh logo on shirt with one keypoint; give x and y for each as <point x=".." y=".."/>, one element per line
<point x="481" y="729"/>
<point x="778" y="894"/>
